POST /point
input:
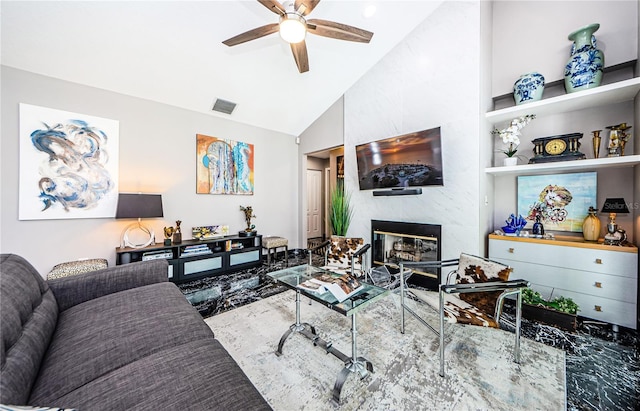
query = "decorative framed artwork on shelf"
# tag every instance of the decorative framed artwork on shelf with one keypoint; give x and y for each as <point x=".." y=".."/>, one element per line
<point x="561" y="200"/>
<point x="223" y="166"/>
<point x="209" y="231"/>
<point x="68" y="165"/>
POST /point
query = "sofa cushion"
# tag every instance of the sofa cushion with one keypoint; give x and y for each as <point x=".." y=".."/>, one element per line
<point x="29" y="315"/>
<point x="196" y="375"/>
<point x="101" y="335"/>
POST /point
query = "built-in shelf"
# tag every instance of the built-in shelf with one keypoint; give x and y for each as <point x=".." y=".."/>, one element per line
<point x="566" y="166"/>
<point x="596" y="97"/>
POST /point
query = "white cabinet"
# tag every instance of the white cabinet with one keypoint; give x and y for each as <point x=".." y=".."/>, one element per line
<point x="602" y="280"/>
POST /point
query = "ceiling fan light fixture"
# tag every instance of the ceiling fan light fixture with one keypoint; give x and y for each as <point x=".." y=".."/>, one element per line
<point x="293" y="28"/>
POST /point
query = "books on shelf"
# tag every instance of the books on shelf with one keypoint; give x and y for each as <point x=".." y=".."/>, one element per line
<point x="192" y="250"/>
<point x="342" y="287"/>
<point x="153" y="255"/>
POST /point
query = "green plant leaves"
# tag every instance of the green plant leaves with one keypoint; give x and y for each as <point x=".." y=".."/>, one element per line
<point x="564" y="304"/>
<point x="341" y="211"/>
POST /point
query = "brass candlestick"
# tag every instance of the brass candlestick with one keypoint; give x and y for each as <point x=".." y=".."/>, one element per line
<point x="596" y="143"/>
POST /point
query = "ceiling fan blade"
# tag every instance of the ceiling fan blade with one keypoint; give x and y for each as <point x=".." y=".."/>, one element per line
<point x="339" y="31"/>
<point x="252" y="34"/>
<point x="300" y="55"/>
<point x="309" y="5"/>
<point x="274" y="6"/>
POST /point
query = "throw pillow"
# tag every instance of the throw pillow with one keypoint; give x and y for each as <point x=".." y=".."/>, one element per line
<point x="76" y="267"/>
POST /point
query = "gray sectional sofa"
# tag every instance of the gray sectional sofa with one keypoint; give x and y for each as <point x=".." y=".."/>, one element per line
<point x="122" y="338"/>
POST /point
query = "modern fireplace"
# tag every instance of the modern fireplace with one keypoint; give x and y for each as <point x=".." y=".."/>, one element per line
<point x="410" y="242"/>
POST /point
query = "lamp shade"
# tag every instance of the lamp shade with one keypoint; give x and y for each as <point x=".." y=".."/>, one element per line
<point x="615" y="205"/>
<point x="293" y="28"/>
<point x="139" y="206"/>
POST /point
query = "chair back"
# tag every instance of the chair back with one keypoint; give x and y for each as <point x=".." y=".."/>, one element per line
<point x="340" y="251"/>
<point x="473" y="269"/>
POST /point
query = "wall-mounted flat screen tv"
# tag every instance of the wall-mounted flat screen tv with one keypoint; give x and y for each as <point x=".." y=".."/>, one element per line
<point x="409" y="160"/>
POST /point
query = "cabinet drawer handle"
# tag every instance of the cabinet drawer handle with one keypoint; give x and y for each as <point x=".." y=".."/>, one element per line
<point x="598" y="284"/>
<point x="597" y="308"/>
<point x="511" y="250"/>
<point x="598" y="261"/>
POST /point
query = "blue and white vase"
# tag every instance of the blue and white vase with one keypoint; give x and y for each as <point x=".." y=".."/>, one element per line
<point x="528" y="88"/>
<point x="584" y="68"/>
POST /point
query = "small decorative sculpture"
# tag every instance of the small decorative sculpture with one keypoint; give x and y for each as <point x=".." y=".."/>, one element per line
<point x="177" y="234"/>
<point x="168" y="232"/>
<point x="538" y="228"/>
<point x="248" y="215"/>
<point x="514" y="224"/>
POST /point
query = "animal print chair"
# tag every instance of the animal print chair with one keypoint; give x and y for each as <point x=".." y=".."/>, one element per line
<point x="473" y="294"/>
<point x="343" y="255"/>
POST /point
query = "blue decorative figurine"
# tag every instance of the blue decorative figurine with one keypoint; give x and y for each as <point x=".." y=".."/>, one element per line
<point x="538" y="228"/>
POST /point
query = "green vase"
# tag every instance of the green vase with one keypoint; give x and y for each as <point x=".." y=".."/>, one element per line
<point x="584" y="68"/>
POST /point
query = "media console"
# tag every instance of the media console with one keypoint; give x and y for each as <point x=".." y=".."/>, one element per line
<point x="193" y="259"/>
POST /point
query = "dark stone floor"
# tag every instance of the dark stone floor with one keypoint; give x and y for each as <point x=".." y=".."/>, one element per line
<point x="603" y="367"/>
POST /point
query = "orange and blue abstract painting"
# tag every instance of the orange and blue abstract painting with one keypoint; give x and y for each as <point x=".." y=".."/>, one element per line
<point x="223" y="166"/>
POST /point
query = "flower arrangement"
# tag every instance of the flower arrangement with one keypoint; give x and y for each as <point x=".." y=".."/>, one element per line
<point x="511" y="134"/>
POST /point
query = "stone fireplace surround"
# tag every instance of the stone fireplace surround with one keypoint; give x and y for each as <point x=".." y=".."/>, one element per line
<point x="411" y="242"/>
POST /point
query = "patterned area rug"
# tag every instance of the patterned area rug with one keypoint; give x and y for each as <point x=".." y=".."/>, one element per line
<point x="480" y="373"/>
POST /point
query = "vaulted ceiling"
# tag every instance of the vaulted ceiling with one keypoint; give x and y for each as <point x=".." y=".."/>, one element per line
<point x="172" y="52"/>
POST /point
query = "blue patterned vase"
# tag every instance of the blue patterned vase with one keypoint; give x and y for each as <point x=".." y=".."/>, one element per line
<point x="584" y="68"/>
<point x="528" y="88"/>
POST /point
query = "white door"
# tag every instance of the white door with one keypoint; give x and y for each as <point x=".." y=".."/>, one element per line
<point x="314" y="203"/>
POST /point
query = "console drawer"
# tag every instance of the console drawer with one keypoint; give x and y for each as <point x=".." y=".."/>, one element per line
<point x="586" y="259"/>
<point x="596" y="284"/>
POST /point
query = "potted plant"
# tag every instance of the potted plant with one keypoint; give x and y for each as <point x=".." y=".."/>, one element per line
<point x="340" y="212"/>
<point x="511" y="137"/>
<point x="560" y="312"/>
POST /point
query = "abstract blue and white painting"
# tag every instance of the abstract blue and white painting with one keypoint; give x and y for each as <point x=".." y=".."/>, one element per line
<point x="68" y="165"/>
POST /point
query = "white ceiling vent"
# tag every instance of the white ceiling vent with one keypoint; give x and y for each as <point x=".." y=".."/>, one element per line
<point x="224" y="106"/>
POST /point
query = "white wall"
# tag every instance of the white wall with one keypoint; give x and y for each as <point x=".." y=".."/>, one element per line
<point x="157" y="155"/>
<point x="325" y="133"/>
<point x="532" y="36"/>
<point x="432" y="79"/>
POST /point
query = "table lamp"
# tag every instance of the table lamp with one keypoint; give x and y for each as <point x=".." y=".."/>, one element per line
<point x="138" y="206"/>
<point x="613" y="206"/>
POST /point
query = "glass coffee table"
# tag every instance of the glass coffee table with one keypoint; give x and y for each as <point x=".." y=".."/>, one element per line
<point x="292" y="277"/>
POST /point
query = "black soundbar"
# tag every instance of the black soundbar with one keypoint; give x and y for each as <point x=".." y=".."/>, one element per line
<point x="398" y="192"/>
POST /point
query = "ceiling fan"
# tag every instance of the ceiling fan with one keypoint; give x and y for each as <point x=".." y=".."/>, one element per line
<point x="293" y="27"/>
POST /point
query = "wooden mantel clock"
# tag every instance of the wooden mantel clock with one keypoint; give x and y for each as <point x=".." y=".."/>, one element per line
<point x="557" y="148"/>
